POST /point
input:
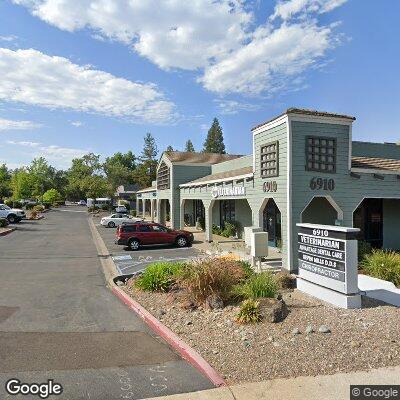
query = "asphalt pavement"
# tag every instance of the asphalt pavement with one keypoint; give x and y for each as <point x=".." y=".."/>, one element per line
<point x="59" y="321"/>
<point x="128" y="261"/>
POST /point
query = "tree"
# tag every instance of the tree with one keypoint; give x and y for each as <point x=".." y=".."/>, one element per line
<point x="120" y="169"/>
<point x="81" y="169"/>
<point x="23" y="184"/>
<point x="5" y="180"/>
<point x="146" y="170"/>
<point x="215" y="139"/>
<point x="95" y="186"/>
<point x="170" y="148"/>
<point x="51" y="196"/>
<point x="189" y="146"/>
<point x="42" y="175"/>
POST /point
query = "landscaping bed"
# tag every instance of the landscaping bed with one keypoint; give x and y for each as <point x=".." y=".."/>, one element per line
<point x="337" y="340"/>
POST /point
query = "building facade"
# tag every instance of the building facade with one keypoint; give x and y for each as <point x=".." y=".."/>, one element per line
<point x="305" y="167"/>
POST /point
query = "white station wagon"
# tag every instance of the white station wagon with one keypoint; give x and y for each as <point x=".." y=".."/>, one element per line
<point x="114" y="220"/>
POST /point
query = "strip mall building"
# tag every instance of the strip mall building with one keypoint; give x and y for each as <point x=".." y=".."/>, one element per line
<point x="304" y="168"/>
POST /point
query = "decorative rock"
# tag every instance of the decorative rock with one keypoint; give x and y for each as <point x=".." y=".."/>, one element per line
<point x="324" y="329"/>
<point x="161" y="313"/>
<point x="309" y="329"/>
<point x="273" y="310"/>
<point x="354" y="343"/>
<point x="188" y="305"/>
<point x="188" y="323"/>
<point x="214" y="302"/>
<point x="296" y="331"/>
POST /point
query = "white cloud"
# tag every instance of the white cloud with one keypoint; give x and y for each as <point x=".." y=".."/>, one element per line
<point x="34" y="78"/>
<point x="288" y="9"/>
<point x="229" y="107"/>
<point x="60" y="157"/>
<point x="172" y="34"/>
<point x="77" y="124"/>
<point x="271" y="62"/>
<point x="217" y="38"/>
<point x="8" y="38"/>
<point x="8" y="124"/>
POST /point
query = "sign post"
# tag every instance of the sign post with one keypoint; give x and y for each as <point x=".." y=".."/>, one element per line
<point x="328" y="263"/>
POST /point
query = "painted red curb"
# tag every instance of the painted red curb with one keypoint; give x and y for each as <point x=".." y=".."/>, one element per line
<point x="7" y="232"/>
<point x="189" y="354"/>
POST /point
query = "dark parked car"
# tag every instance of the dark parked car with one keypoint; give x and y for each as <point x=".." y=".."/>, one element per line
<point x="144" y="234"/>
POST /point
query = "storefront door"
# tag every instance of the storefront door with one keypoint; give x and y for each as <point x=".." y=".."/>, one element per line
<point x="272" y="223"/>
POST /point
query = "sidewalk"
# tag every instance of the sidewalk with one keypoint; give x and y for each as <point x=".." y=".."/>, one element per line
<point x="327" y="387"/>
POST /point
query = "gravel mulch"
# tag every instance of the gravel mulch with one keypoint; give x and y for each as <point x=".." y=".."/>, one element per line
<point x="358" y="339"/>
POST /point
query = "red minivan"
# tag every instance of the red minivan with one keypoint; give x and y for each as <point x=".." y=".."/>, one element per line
<point x="145" y="234"/>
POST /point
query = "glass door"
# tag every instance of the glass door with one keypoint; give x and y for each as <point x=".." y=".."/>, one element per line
<point x="272" y="223"/>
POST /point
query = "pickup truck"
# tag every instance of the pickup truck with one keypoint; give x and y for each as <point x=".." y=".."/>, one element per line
<point x="13" y="215"/>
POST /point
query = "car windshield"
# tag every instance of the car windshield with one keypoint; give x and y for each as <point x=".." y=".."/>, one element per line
<point x="4" y="207"/>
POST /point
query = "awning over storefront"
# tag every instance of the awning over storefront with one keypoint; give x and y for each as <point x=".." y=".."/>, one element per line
<point x="226" y="176"/>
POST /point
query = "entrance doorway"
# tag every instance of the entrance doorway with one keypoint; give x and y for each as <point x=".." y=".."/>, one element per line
<point x="272" y="223"/>
<point x="368" y="217"/>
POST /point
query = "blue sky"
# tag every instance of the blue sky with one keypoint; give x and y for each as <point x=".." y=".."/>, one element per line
<point x="94" y="75"/>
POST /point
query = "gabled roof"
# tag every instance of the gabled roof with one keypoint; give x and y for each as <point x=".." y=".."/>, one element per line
<point x="305" y="111"/>
<point x="221" y="176"/>
<point x="189" y="157"/>
<point x="148" y="189"/>
<point x="383" y="164"/>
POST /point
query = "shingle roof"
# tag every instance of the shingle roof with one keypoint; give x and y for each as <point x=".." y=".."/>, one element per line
<point x="305" y="111"/>
<point x="223" y="175"/>
<point x="384" y="164"/>
<point x="148" y="189"/>
<point x="199" y="158"/>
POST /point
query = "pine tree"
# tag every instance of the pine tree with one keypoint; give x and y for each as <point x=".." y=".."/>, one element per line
<point x="146" y="170"/>
<point x="170" y="148"/>
<point x="215" y="139"/>
<point x="189" y="146"/>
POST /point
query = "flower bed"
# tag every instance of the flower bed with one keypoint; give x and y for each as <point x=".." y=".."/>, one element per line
<point x="311" y="339"/>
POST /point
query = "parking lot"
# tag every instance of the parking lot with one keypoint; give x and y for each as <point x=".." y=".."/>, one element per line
<point x="129" y="262"/>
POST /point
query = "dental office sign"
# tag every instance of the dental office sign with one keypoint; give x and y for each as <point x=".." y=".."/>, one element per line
<point x="328" y="256"/>
<point x="228" y="191"/>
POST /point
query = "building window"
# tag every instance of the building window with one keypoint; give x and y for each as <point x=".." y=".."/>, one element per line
<point x="269" y="160"/>
<point x="320" y="154"/>
<point x="163" y="177"/>
<point x="227" y="211"/>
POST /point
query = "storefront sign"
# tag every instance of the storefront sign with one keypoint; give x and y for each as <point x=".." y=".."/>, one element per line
<point x="322" y="184"/>
<point x="228" y="191"/>
<point x="270" y="186"/>
<point x="327" y="257"/>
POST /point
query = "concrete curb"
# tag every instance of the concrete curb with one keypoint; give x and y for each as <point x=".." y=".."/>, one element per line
<point x="189" y="354"/>
<point x="8" y="231"/>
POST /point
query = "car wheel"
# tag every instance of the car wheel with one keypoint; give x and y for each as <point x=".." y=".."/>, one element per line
<point x="111" y="224"/>
<point x="12" y="219"/>
<point x="181" y="241"/>
<point x="134" y="244"/>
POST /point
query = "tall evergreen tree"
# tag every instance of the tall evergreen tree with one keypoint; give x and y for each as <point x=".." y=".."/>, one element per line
<point x="146" y="170"/>
<point x="215" y="139"/>
<point x="189" y="146"/>
<point x="170" y="148"/>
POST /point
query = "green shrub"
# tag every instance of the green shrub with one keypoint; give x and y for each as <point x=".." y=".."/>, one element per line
<point x="46" y="205"/>
<point x="383" y="264"/>
<point x="216" y="230"/>
<point x="133" y="213"/>
<point x="29" y="206"/>
<point x="247" y="268"/>
<point x="3" y="222"/>
<point x="259" y="285"/>
<point x="364" y="248"/>
<point x="38" y="208"/>
<point x="8" y="202"/>
<point x="213" y="276"/>
<point x="105" y="207"/>
<point x="249" y="312"/>
<point x="159" y="277"/>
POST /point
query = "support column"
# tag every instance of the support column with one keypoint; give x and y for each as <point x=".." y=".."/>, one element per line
<point x="152" y="210"/>
<point x="144" y="208"/>
<point x="182" y="214"/>
<point x="158" y="207"/>
<point x="208" y="206"/>
<point x="137" y="206"/>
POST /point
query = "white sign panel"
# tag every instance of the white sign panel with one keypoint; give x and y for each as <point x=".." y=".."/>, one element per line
<point x="327" y="256"/>
<point x="228" y="191"/>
